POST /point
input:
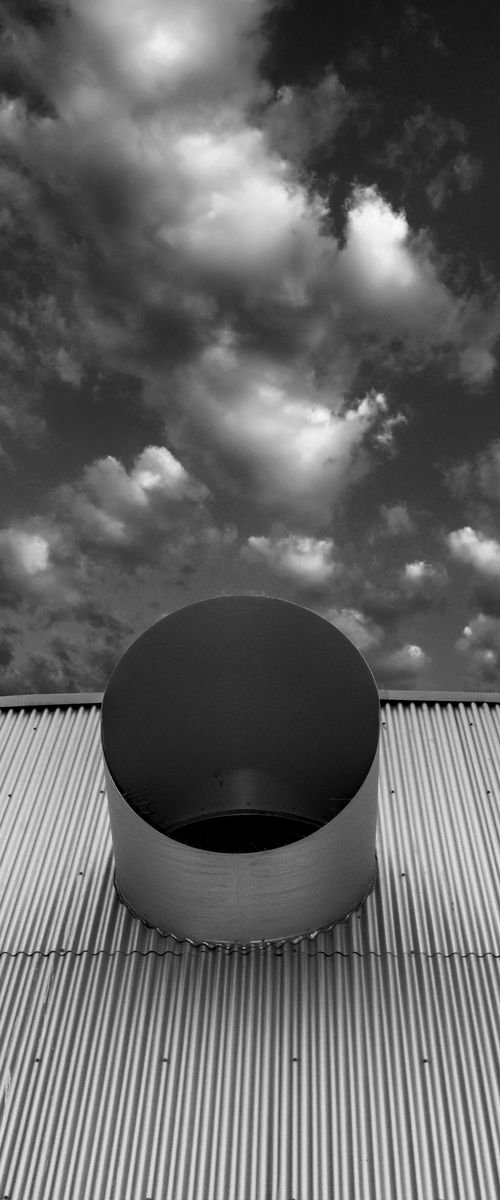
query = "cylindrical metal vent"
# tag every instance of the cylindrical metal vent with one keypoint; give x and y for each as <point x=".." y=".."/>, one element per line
<point x="240" y="739"/>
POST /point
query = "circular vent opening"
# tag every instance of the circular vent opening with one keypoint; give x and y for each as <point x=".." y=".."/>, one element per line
<point x="240" y="739"/>
<point x="243" y="832"/>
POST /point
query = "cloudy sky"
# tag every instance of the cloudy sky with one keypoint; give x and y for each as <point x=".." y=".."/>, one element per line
<point x="250" y="325"/>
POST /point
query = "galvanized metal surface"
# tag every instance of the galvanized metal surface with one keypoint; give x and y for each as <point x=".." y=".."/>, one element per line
<point x="231" y="704"/>
<point x="362" y="1064"/>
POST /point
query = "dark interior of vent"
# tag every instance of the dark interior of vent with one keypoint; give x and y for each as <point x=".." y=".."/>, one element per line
<point x="243" y="833"/>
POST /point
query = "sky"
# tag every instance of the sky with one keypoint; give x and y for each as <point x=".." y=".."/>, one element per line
<point x="250" y="298"/>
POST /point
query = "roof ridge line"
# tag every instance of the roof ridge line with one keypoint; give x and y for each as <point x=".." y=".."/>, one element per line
<point x="402" y="696"/>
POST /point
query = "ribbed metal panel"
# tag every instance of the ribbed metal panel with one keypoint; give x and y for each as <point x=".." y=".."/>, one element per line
<point x="209" y="1075"/>
<point x="361" y="1064"/>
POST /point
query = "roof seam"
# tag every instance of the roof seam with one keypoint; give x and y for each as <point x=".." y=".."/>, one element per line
<point x="278" y="951"/>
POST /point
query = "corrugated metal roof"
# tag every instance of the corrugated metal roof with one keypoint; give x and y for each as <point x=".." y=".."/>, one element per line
<point x="362" y="1063"/>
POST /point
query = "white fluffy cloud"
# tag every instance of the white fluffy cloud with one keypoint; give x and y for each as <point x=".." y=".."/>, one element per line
<point x="377" y="250"/>
<point x="415" y="571"/>
<point x="271" y="432"/>
<point x="422" y="578"/>
<point x="113" y="506"/>
<point x="306" y="561"/>
<point x="242" y="212"/>
<point x="162" y="48"/>
<point x="473" y="548"/>
<point x="33" y="565"/>
<point x="22" y="553"/>
<point x="392" y="275"/>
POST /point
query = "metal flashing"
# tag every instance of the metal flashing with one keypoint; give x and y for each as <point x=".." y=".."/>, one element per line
<point x="430" y="697"/>
<point x="51" y="700"/>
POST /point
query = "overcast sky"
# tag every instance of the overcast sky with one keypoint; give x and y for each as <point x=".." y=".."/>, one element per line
<point x="250" y="320"/>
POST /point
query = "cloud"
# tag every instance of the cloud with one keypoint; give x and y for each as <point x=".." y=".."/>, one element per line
<point x="417" y="587"/>
<point x="35" y="567"/>
<point x="401" y="666"/>
<point x="423" y="579"/>
<point x="160" y="222"/>
<point x="161" y="226"/>
<point x="357" y="626"/>
<point x="473" y="548"/>
<point x="397" y="519"/>
<point x="460" y="174"/>
<point x="392" y="275"/>
<point x="25" y="560"/>
<point x="478" y="477"/>
<point x="7" y="647"/>
<point x="307" y="561"/>
<point x="477" y="363"/>
<point x="22" y="553"/>
<point x="153" y="515"/>
<point x="377" y="252"/>
<point x="479" y="645"/>
<point x="116" y="508"/>
<point x="78" y="659"/>
<point x="267" y="431"/>
<point x="300" y="121"/>
<point x="485" y="595"/>
<point x="430" y="154"/>
<point x="164" y="185"/>
<point x="162" y="49"/>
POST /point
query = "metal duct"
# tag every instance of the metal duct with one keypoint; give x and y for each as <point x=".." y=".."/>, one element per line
<point x="240" y="740"/>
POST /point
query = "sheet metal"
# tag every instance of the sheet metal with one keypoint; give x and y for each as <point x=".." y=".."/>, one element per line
<point x="362" y="1063"/>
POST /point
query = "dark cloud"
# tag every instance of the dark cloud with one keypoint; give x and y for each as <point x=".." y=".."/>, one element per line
<point x="479" y="649"/>
<point x="79" y="657"/>
<point x="397" y="520"/>
<point x="302" y="121"/>
<point x="430" y="157"/>
<point x="485" y="597"/>
<point x="403" y="666"/>
<point x="66" y="666"/>
<point x="421" y="590"/>
<point x="482" y="475"/>
<point x="6" y="652"/>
